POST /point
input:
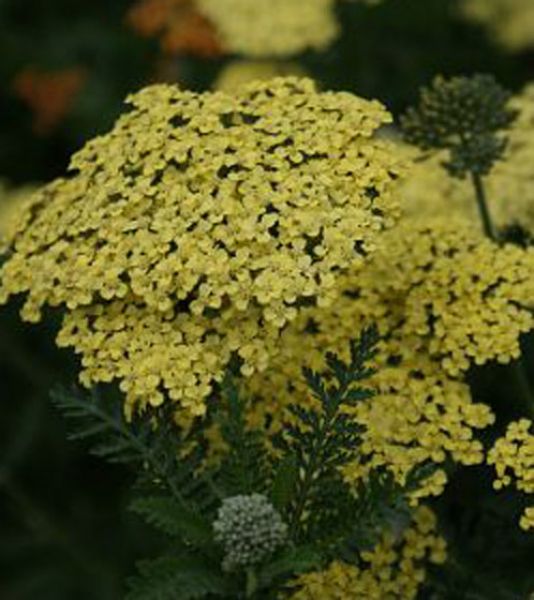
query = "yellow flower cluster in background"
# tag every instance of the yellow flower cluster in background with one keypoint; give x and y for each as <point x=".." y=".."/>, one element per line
<point x="393" y="570"/>
<point x="272" y="28"/>
<point x="513" y="459"/>
<point x="197" y="228"/>
<point x="14" y="202"/>
<point x="259" y="29"/>
<point x="241" y="72"/>
<point x="510" y="186"/>
<point x="464" y="298"/>
<point x="511" y="22"/>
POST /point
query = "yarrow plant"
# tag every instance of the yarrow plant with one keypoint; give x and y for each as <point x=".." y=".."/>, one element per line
<point x="295" y="353"/>
<point x="436" y="124"/>
<point x="246" y="525"/>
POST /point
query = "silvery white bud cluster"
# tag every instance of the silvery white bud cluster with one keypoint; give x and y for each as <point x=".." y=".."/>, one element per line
<point x="249" y="528"/>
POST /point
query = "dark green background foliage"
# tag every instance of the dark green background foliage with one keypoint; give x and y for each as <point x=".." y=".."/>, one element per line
<point x="64" y="530"/>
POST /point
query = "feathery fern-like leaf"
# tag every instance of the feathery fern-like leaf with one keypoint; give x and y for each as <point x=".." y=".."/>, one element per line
<point x="175" y="578"/>
<point x="327" y="437"/>
<point x="173" y="519"/>
<point x="104" y="425"/>
<point x="151" y="442"/>
<point x="245" y="468"/>
<point x="284" y="482"/>
<point x="291" y="562"/>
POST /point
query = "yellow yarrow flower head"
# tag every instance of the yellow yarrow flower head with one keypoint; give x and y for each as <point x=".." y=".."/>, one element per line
<point x="466" y="298"/>
<point x="393" y="570"/>
<point x="198" y="226"/>
<point x="510" y="22"/>
<point x="513" y="459"/>
<point x="272" y="28"/>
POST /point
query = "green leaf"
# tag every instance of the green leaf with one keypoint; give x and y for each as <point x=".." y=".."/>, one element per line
<point x="291" y="562"/>
<point x="284" y="482"/>
<point x="175" y="578"/>
<point x="150" y="442"/>
<point x="245" y="469"/>
<point x="174" y="519"/>
<point x="104" y="425"/>
<point x="327" y="437"/>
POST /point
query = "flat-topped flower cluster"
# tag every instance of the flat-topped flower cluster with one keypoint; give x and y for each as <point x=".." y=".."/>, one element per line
<point x="199" y="226"/>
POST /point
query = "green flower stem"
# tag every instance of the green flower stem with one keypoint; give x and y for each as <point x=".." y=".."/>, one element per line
<point x="517" y="368"/>
<point x="252" y="583"/>
<point x="483" y="209"/>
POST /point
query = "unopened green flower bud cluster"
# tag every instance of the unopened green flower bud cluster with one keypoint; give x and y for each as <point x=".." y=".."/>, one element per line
<point x="462" y="115"/>
<point x="250" y="530"/>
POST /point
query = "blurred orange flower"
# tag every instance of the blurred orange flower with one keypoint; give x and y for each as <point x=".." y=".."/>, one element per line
<point x="181" y="27"/>
<point x="48" y="94"/>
